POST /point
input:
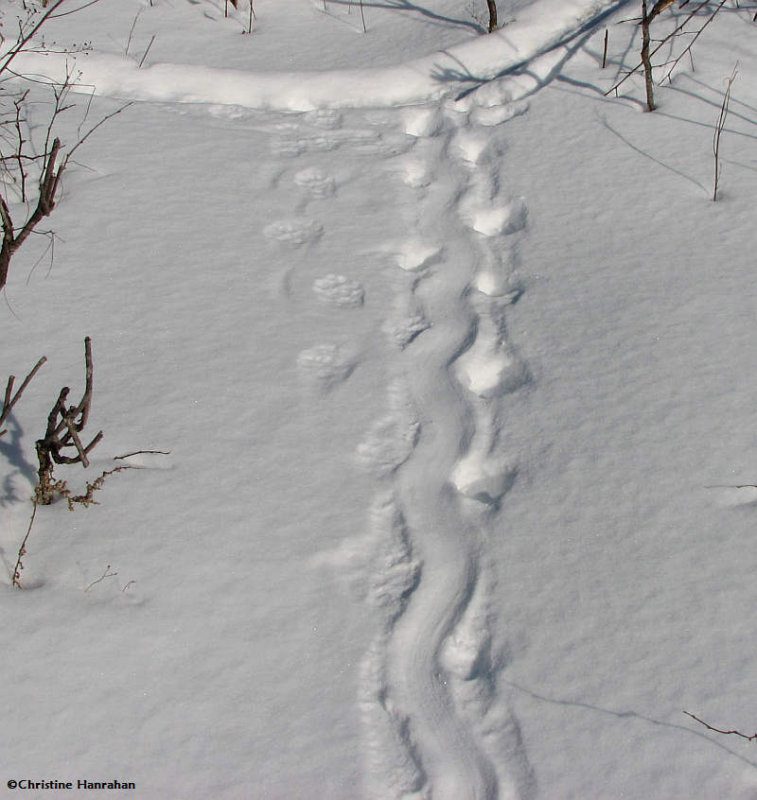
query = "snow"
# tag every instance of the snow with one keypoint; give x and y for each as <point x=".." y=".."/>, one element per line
<point x="458" y="392"/>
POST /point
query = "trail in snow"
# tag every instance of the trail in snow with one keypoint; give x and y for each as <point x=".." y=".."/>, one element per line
<point x="435" y="727"/>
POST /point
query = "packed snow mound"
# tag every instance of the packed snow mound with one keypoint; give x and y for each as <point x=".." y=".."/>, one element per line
<point x="544" y="26"/>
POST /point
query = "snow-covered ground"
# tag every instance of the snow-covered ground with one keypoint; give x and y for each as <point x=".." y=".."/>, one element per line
<point x="452" y="354"/>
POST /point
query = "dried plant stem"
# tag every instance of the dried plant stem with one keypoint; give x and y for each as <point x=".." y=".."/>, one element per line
<point x="22" y="550"/>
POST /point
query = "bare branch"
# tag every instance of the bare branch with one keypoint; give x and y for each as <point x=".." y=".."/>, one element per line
<point x="9" y="401"/>
<point x="64" y="424"/>
<point x="24" y="37"/>
<point x="660" y="45"/>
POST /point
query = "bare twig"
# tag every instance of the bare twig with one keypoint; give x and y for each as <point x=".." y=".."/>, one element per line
<point x="142" y="452"/>
<point x="144" y="55"/>
<point x="8" y="401"/>
<point x="719" y="130"/>
<point x="751" y="738"/>
<point x="106" y="574"/>
<point x="131" y="32"/>
<point x="25" y="36"/>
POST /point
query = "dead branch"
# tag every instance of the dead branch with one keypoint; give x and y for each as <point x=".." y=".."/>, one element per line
<point x="751" y="738"/>
<point x="14" y="237"/>
<point x="645" y="57"/>
<point x="25" y="36"/>
<point x="46" y="162"/>
<point x="64" y="424"/>
<point x="11" y="399"/>
<point x="660" y="45"/>
<point x="719" y="130"/>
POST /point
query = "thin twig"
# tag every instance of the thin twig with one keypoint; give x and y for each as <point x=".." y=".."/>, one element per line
<point x="105" y="575"/>
<point x="25" y="37"/>
<point x="142" y="452"/>
<point x="131" y="32"/>
<point x="751" y="738"/>
<point x="719" y="130"/>
<point x="662" y="43"/>
<point x="144" y="55"/>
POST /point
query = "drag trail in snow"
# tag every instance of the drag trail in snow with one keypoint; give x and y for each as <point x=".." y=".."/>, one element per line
<point x="431" y="670"/>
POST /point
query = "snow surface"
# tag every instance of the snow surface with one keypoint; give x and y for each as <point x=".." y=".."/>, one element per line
<point x="457" y="391"/>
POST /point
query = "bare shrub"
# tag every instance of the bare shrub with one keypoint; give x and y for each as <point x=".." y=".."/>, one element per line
<point x="33" y="158"/>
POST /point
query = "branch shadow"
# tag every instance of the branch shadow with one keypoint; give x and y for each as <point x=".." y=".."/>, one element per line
<point x="11" y="449"/>
<point x="461" y="74"/>
<point x="412" y="8"/>
<point x="626" y="715"/>
<point x="638" y="150"/>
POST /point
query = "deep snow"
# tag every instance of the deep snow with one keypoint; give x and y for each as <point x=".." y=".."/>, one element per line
<point x="457" y="393"/>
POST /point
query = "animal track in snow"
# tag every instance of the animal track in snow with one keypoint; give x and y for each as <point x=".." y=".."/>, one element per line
<point x="317" y="183"/>
<point x="496" y="220"/>
<point x="489" y="116"/>
<point x="415" y="172"/>
<point x="416" y="255"/>
<point x="486" y="479"/>
<point x="489" y="367"/>
<point x="395" y="569"/>
<point x="325" y="118"/>
<point x="325" y="365"/>
<point x="339" y="290"/>
<point x="422" y="121"/>
<point x="294" y="232"/>
<point x="470" y="144"/>
<point x="405" y="324"/>
<point x="385" y="145"/>
<point x="391" y="439"/>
